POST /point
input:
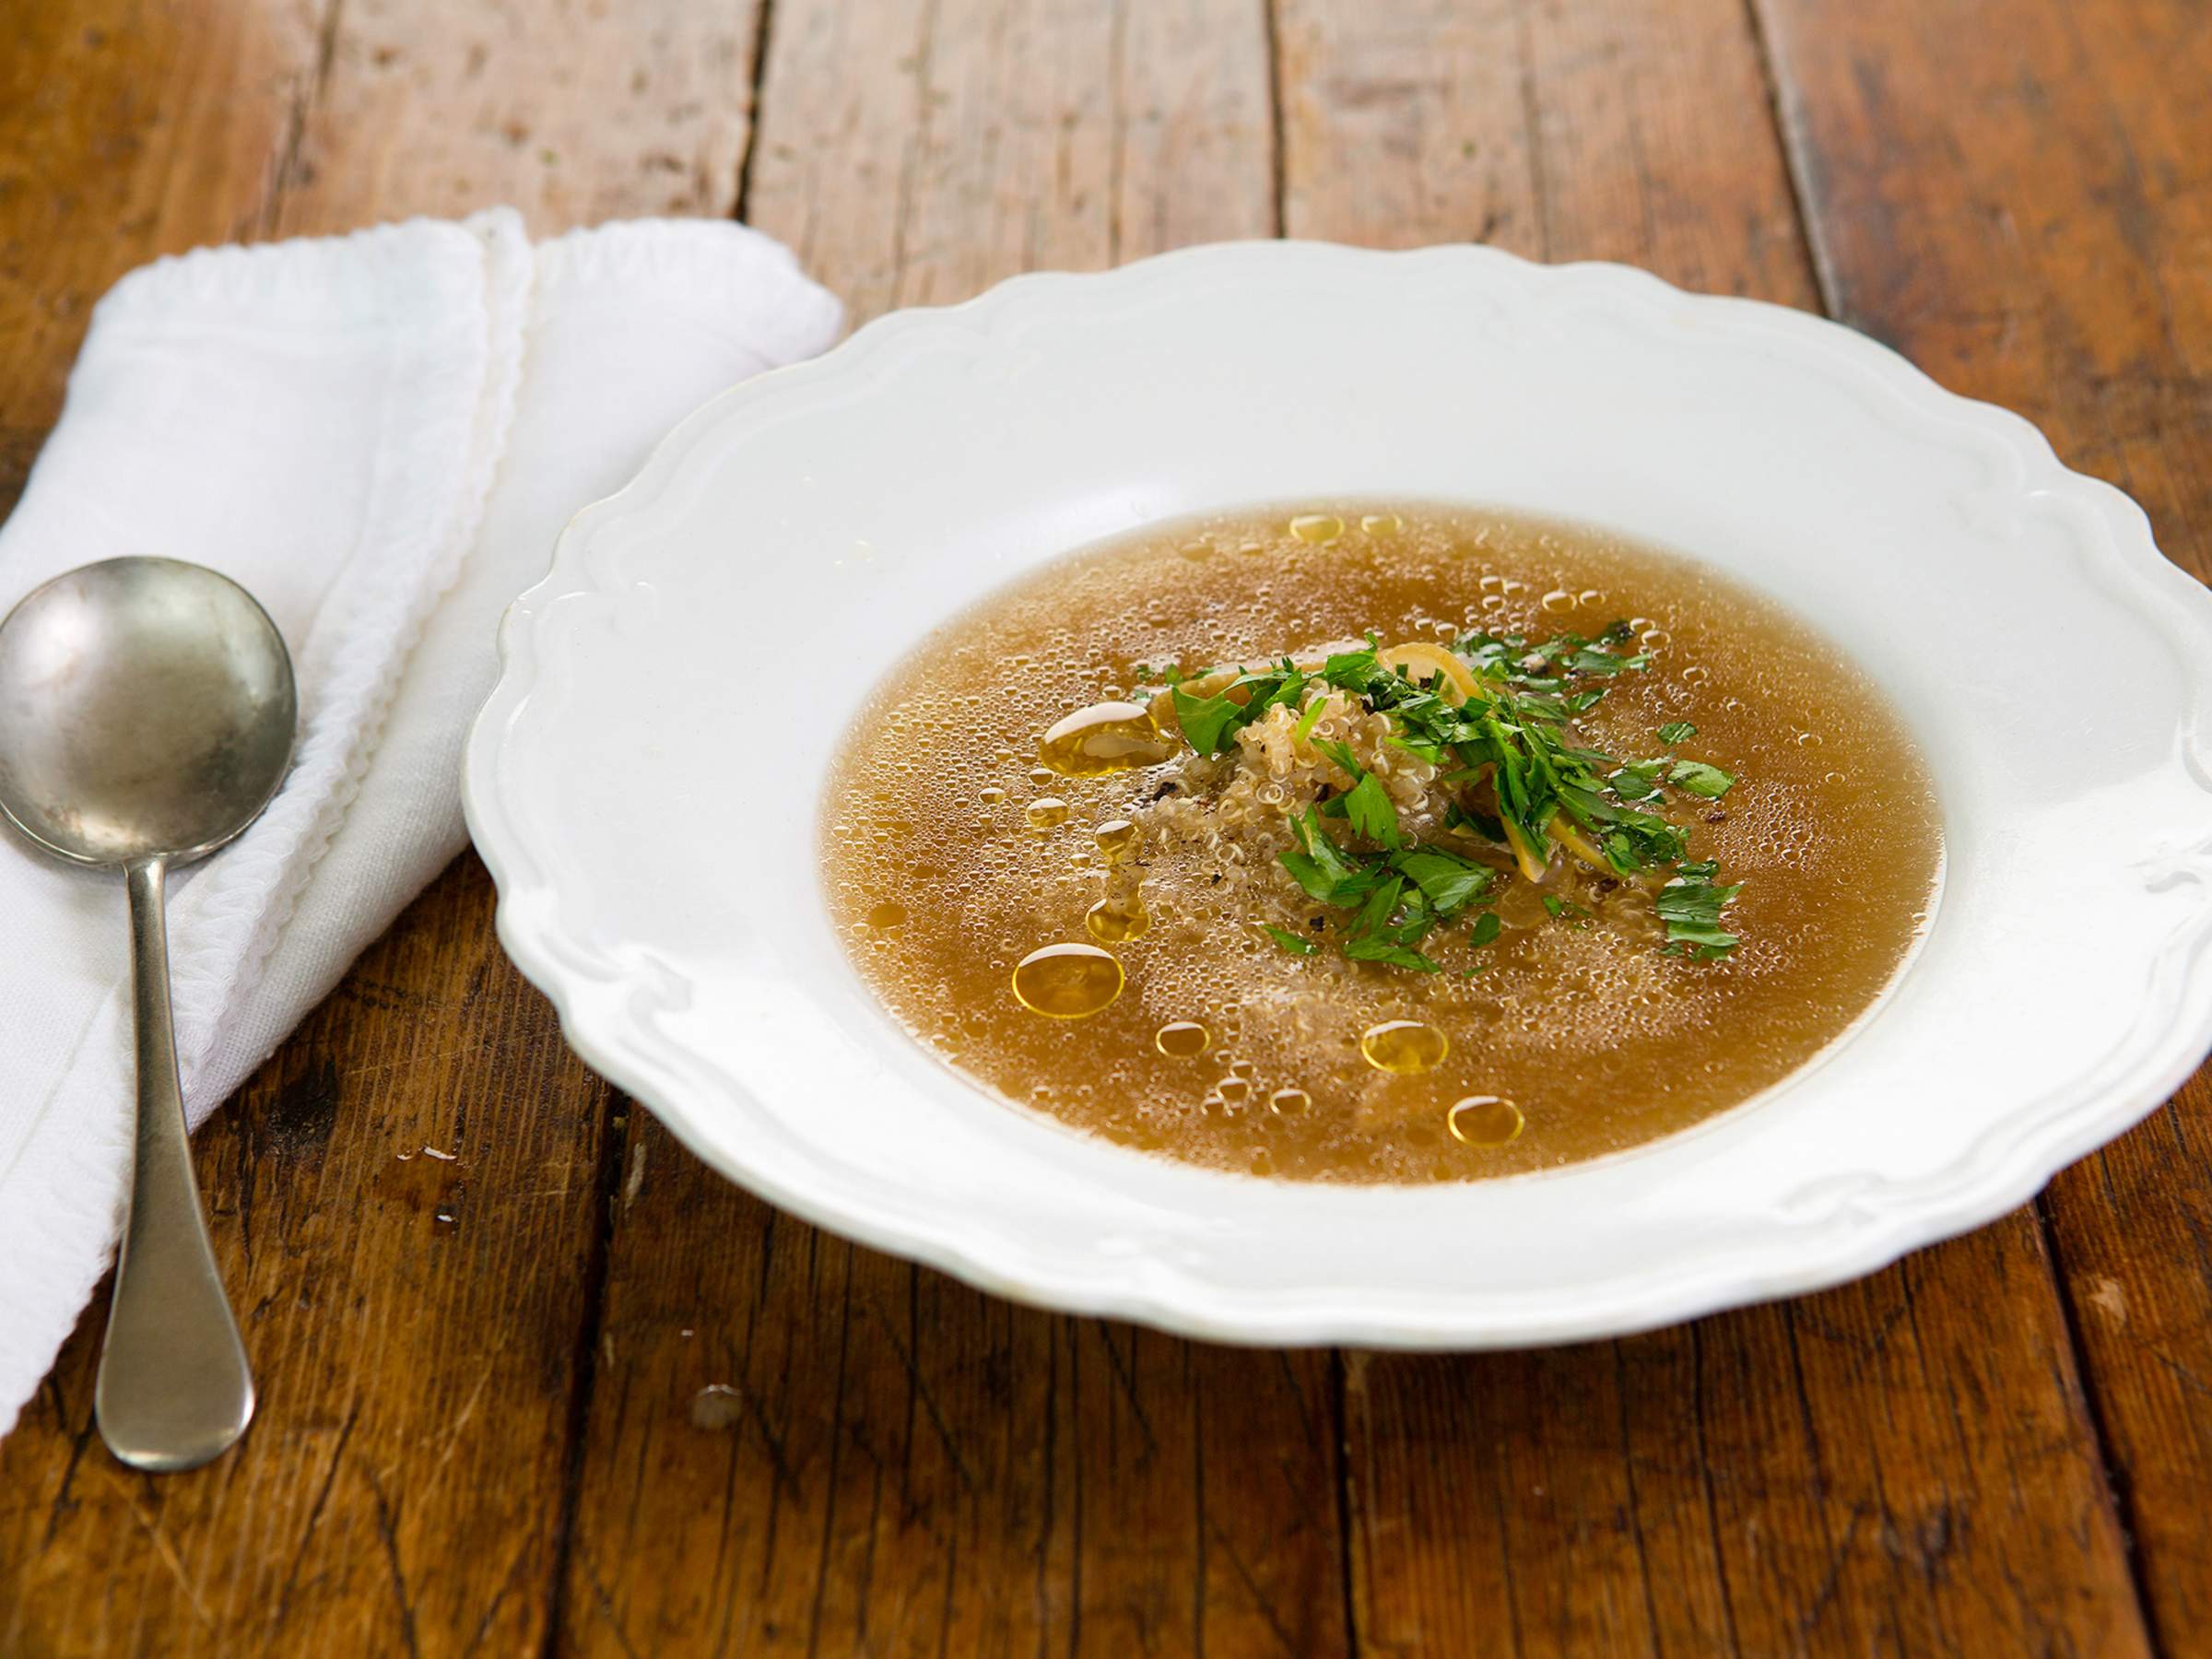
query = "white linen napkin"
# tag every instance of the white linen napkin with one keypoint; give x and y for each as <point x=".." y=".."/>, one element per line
<point x="379" y="435"/>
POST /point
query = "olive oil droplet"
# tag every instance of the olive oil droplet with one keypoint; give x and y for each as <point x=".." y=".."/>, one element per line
<point x="1112" y="921"/>
<point x="1484" y="1121"/>
<point x="1067" y="982"/>
<point x="1404" y="1046"/>
<point x="1105" y="738"/>
<point x="1115" y="837"/>
<point x="1181" y="1038"/>
<point x="1046" y="811"/>
<point x="1317" y="527"/>
<point x="1290" y="1102"/>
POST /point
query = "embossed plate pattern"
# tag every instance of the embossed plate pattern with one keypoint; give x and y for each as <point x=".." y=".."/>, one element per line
<point x="643" y="782"/>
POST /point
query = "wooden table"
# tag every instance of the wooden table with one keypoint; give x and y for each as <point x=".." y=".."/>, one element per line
<point x="490" y="1434"/>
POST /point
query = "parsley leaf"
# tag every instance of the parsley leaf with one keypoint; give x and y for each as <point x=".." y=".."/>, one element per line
<point x="1380" y="950"/>
<point x="1209" y="723"/>
<point x="1322" y="868"/>
<point x="1341" y="756"/>
<point x="1291" y="942"/>
<point x="1690" y="906"/>
<point x="1352" y="670"/>
<point x="1701" y="778"/>
<point x="1637" y="781"/>
<point x="1370" y="813"/>
<point x="1478" y="823"/>
<point x="1447" y="881"/>
<point x="1677" y="731"/>
<point x="1587" y="660"/>
<point x="1375" y="913"/>
<point x="1486" y="929"/>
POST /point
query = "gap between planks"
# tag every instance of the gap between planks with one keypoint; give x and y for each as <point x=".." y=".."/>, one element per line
<point x="1819" y="260"/>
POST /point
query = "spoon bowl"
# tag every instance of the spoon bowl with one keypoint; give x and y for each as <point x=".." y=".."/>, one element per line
<point x="146" y="710"/>
<point x="146" y="716"/>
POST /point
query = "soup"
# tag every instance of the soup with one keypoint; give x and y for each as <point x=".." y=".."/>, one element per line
<point x="1378" y="843"/>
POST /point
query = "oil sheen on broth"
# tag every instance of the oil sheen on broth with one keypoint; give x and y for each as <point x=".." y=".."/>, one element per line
<point x="1153" y="1008"/>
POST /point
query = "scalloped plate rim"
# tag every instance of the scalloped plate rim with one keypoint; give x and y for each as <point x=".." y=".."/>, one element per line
<point x="1162" y="1295"/>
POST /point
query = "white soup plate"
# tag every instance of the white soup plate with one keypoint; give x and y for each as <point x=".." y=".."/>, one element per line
<point x="646" y="778"/>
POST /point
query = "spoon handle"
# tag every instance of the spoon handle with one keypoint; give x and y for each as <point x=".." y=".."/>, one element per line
<point x="174" y="1390"/>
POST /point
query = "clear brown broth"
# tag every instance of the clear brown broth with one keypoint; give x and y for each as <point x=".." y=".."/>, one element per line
<point x="940" y="885"/>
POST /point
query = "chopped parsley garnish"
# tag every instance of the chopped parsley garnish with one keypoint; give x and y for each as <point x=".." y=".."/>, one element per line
<point x="1211" y="723"/>
<point x="1208" y="723"/>
<point x="1448" y="882"/>
<point x="1518" y="776"/>
<point x="1322" y="867"/>
<point x="1701" y="778"/>
<point x="1690" y="905"/>
<point x="1370" y="813"/>
<point x="1394" y="899"/>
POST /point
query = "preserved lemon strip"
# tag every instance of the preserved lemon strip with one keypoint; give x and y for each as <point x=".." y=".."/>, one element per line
<point x="1576" y="842"/>
<point x="1423" y="660"/>
<point x="1532" y="860"/>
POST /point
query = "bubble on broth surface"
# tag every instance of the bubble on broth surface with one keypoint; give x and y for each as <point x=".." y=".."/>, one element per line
<point x="1181" y="1038"/>
<point x="1114" y="921"/>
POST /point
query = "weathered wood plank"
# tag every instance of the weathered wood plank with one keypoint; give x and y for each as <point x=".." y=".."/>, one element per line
<point x="573" y="114"/>
<point x="404" y="1205"/>
<point x="1902" y="1463"/>
<point x="414" y="1321"/>
<point x="795" y="1444"/>
<point x="128" y="128"/>
<point x="901" y="1464"/>
<point x="914" y="153"/>
<point x="2030" y="220"/>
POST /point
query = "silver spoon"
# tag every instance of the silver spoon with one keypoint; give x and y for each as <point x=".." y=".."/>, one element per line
<point x="147" y="715"/>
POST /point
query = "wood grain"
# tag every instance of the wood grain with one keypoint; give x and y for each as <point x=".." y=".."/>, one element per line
<point x="128" y="128"/>
<point x="2032" y="221"/>
<point x="402" y="1204"/>
<point x="882" y="1460"/>
<point x="1824" y="1474"/>
<point x="415" y="1320"/>
<point x="573" y="114"/>
<point x="912" y="152"/>
<point x="613" y="1405"/>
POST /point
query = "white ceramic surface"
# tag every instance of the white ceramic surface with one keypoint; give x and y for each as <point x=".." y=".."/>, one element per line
<point x="643" y="782"/>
